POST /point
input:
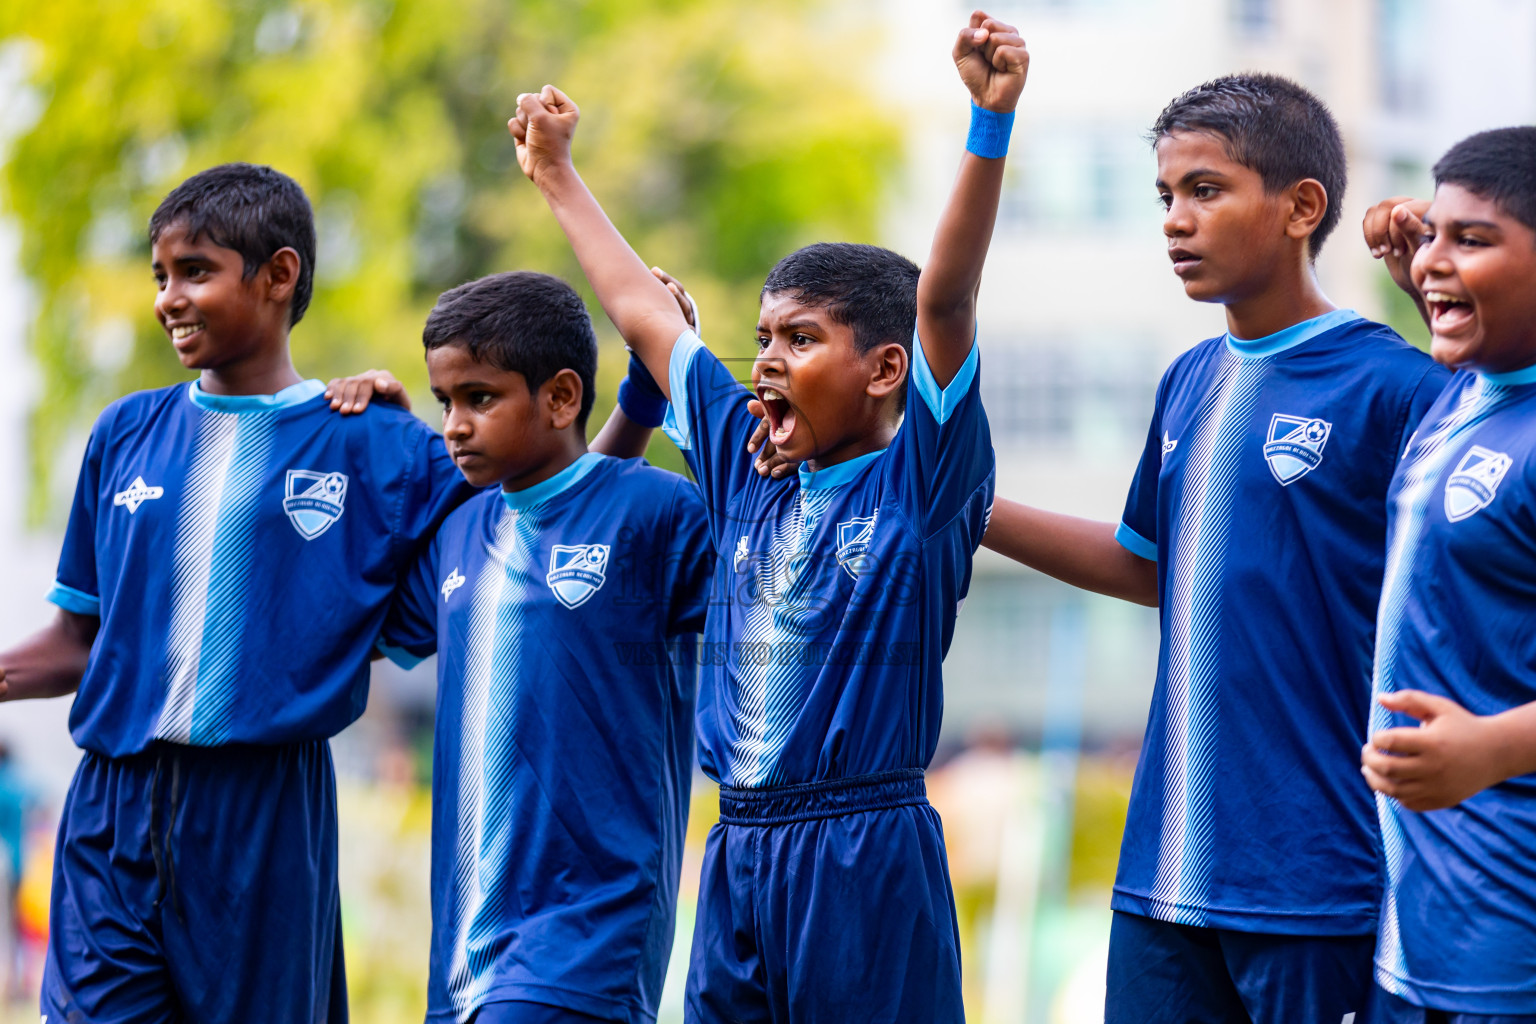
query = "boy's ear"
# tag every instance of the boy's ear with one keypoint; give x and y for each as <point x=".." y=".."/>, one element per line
<point x="282" y="272"/>
<point x="1309" y="204"/>
<point x="561" y="397"/>
<point x="888" y="365"/>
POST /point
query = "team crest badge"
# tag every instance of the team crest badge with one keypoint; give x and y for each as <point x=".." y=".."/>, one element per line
<point x="137" y="494"/>
<point x="576" y="572"/>
<point x="853" y="540"/>
<point x="1295" y="446"/>
<point x="1474" y="482"/>
<point x="314" y="500"/>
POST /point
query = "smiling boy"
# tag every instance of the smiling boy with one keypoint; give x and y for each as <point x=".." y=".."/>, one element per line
<point x="227" y="566"/>
<point x="824" y="893"/>
<point x="1453" y="747"/>
<point x="1248" y="881"/>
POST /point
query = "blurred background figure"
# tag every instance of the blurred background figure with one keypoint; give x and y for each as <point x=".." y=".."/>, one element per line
<point x="391" y="115"/>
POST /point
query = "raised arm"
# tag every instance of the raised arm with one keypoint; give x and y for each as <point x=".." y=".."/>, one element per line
<point x="1394" y="230"/>
<point x="993" y="63"/>
<point x="50" y="662"/>
<point x="1082" y="552"/>
<point x="639" y="305"/>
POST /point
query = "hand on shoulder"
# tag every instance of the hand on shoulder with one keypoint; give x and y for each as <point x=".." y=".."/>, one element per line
<point x="351" y="395"/>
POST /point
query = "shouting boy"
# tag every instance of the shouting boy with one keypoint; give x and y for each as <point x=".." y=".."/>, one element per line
<point x="1453" y="748"/>
<point x="824" y="894"/>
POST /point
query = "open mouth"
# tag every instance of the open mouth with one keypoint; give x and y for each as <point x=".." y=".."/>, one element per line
<point x="781" y="415"/>
<point x="182" y="333"/>
<point x="1447" y="312"/>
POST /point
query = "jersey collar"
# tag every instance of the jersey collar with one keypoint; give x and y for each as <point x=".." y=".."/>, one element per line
<point x="836" y="476"/>
<point x="1292" y="336"/>
<point x="294" y="394"/>
<point x="561" y="481"/>
<point x="1514" y="378"/>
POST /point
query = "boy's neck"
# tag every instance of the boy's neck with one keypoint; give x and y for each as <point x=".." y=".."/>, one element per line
<point x="571" y="446"/>
<point x="875" y="441"/>
<point x="1289" y="299"/>
<point x="256" y="376"/>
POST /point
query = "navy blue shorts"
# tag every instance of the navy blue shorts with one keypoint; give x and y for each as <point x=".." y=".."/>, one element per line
<point x="1161" y="973"/>
<point x="198" y="884"/>
<point x="519" y="1011"/>
<point x="1387" y="1008"/>
<point x="826" y="902"/>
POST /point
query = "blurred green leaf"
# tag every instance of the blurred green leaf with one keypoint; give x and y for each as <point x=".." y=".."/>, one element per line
<point x="719" y="134"/>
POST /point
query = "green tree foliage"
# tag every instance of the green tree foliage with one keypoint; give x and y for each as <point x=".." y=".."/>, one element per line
<point x="719" y="133"/>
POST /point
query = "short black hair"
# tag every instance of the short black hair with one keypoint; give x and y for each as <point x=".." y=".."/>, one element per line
<point x="522" y="322"/>
<point x="1498" y="165"/>
<point x="1271" y="126"/>
<point x="251" y="209"/>
<point x="870" y="289"/>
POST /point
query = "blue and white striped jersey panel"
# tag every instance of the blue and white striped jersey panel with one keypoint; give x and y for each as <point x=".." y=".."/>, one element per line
<point x="486" y="767"/>
<point x="770" y="696"/>
<point x="487" y="761"/>
<point x="1422" y="476"/>
<point x="1194" y="607"/>
<point x="212" y="564"/>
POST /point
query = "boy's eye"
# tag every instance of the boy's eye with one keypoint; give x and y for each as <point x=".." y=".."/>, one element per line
<point x="1165" y="200"/>
<point x="762" y="341"/>
<point x="1205" y="191"/>
<point x="480" y="399"/>
<point x="801" y="339"/>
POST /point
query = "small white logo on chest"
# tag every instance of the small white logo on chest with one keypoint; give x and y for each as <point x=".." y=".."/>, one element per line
<point x="314" y="500"/>
<point x="1295" y="446"/>
<point x="576" y="572"/>
<point x="452" y="583"/>
<point x="742" y="554"/>
<point x="1475" y="482"/>
<point x="1168" y="445"/>
<point x="853" y="540"/>
<point x="137" y="494"/>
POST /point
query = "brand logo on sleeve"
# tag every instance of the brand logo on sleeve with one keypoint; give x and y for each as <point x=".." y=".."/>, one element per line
<point x="452" y="583"/>
<point x="742" y="553"/>
<point x="314" y="500"/>
<point x="853" y="540"/>
<point x="576" y="572"/>
<point x="1475" y="482"/>
<point x="1168" y="445"/>
<point x="137" y="494"/>
<point x="1295" y="446"/>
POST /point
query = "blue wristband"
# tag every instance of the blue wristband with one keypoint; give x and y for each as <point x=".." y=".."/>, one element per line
<point x="989" y="132"/>
<point x="640" y="397"/>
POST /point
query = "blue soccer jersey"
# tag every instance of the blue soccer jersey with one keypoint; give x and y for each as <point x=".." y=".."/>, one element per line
<point x="1262" y="496"/>
<point x="835" y="592"/>
<point x="1458" y="921"/>
<point x="563" y="735"/>
<point x="241" y="552"/>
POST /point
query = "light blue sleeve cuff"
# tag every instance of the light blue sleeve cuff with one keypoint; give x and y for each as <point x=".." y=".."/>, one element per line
<point x="72" y="600"/>
<point x="675" y="424"/>
<point x="399" y="655"/>
<point x="1135" y="543"/>
<point x="942" y="401"/>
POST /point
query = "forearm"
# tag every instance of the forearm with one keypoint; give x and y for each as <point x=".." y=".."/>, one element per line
<point x="621" y="437"/>
<point x="51" y="661"/>
<point x="1515" y="737"/>
<point x="639" y="305"/>
<point x="1082" y="552"/>
<point x="946" y="291"/>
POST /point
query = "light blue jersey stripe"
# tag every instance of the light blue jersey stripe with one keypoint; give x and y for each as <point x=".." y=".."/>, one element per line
<point x="486" y="761"/>
<point x="1421" y="481"/>
<point x="770" y="699"/>
<point x="211" y="563"/>
<point x="1194" y="611"/>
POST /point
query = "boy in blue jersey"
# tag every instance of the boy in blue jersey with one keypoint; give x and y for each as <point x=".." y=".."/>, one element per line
<point x="824" y="893"/>
<point x="228" y="564"/>
<point x="1453" y="747"/>
<point x="1248" y="881"/>
<point x="564" y="711"/>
